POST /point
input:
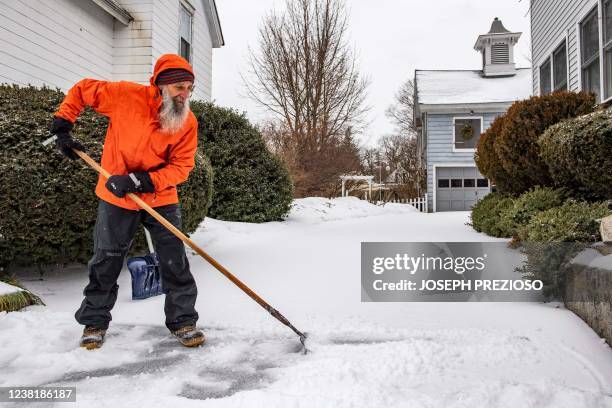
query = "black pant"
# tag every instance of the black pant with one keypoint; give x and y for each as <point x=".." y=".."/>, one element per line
<point x="113" y="235"/>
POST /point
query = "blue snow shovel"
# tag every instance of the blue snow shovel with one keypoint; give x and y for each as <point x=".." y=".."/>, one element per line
<point x="146" y="278"/>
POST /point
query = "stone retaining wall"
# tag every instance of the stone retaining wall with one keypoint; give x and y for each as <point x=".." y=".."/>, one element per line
<point x="589" y="289"/>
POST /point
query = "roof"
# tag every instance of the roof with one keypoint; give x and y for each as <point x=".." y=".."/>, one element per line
<point x="115" y="10"/>
<point x="497" y="32"/>
<point x="467" y="87"/>
<point x="497" y="27"/>
<point x="215" y="24"/>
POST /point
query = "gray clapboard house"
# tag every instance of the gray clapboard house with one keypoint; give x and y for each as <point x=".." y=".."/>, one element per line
<point x="572" y="46"/>
<point x="453" y="108"/>
<point x="59" y="42"/>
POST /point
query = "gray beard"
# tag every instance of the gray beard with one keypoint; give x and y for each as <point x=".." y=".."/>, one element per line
<point x="172" y="115"/>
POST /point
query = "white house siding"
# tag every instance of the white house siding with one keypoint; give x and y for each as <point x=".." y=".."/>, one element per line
<point x="59" y="42"/>
<point x="54" y="43"/>
<point x="165" y="28"/>
<point x="132" y="44"/>
<point x="440" y="145"/>
<point x="202" y="55"/>
<point x="166" y="40"/>
<point x="551" y="22"/>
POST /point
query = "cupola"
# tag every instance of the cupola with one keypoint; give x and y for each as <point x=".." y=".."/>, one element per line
<point x="497" y="48"/>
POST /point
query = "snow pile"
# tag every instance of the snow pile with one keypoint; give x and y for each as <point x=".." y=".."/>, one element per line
<point x="318" y="209"/>
<point x="6" y="289"/>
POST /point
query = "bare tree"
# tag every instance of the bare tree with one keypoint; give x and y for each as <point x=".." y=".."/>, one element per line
<point x="401" y="111"/>
<point x="313" y="174"/>
<point x="370" y="160"/>
<point x="400" y="151"/>
<point x="392" y="147"/>
<point x="275" y="135"/>
<point x="400" y="148"/>
<point x="306" y="75"/>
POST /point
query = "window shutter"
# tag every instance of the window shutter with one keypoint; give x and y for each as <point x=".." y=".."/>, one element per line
<point x="500" y="54"/>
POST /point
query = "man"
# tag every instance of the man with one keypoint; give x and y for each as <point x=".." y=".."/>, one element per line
<point x="149" y="149"/>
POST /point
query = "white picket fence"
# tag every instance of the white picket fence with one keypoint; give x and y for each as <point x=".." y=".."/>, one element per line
<point x="419" y="203"/>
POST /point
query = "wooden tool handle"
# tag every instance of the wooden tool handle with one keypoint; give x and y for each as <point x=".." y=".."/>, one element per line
<point x="192" y="245"/>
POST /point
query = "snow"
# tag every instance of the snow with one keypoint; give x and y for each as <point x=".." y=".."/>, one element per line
<point x="461" y="87"/>
<point x="603" y="262"/>
<point x="316" y="209"/>
<point x="6" y="289"/>
<point x="363" y="354"/>
<point x="594" y="259"/>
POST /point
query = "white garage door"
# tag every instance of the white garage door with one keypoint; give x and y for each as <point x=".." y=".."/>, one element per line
<point x="458" y="188"/>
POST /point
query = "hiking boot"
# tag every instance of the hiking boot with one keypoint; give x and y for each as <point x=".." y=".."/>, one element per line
<point x="92" y="337"/>
<point x="189" y="336"/>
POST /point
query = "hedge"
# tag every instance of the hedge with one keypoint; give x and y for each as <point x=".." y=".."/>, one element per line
<point x="554" y="237"/>
<point x="13" y="301"/>
<point x="488" y="212"/>
<point x="538" y="199"/>
<point x="578" y="153"/>
<point x="571" y="222"/>
<point x="487" y="160"/>
<point x="515" y="142"/>
<point x="47" y="202"/>
<point x="195" y="195"/>
<point x="548" y="261"/>
<point x="250" y="183"/>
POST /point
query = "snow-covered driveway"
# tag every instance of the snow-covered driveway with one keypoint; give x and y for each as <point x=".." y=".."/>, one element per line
<point x="364" y="354"/>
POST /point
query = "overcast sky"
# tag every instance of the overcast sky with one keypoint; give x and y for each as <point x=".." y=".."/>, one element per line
<point x="391" y="39"/>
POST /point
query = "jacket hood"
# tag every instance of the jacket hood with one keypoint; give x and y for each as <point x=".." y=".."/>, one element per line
<point x="168" y="61"/>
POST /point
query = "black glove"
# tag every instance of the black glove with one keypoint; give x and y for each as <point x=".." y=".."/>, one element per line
<point x="132" y="183"/>
<point x="64" y="142"/>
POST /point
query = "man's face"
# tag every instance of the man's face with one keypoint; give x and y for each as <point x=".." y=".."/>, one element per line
<point x="179" y="92"/>
<point x="175" y="105"/>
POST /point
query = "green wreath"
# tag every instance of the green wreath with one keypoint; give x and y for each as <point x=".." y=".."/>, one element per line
<point x="467" y="132"/>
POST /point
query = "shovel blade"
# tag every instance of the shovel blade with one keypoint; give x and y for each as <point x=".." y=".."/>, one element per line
<point x="146" y="277"/>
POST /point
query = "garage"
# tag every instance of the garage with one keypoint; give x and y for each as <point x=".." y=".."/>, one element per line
<point x="458" y="188"/>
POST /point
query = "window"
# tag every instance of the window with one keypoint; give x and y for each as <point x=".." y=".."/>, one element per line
<point x="456" y="183"/>
<point x="607" y="49"/>
<point x="482" y="182"/>
<point x="443" y="183"/>
<point x="589" y="40"/>
<point x="469" y="183"/>
<point x="467" y="132"/>
<point x="560" y="68"/>
<point x="545" y="78"/>
<point x="185" y="25"/>
<point x="553" y="72"/>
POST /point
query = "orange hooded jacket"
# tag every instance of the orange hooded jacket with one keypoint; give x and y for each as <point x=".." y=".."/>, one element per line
<point x="134" y="141"/>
